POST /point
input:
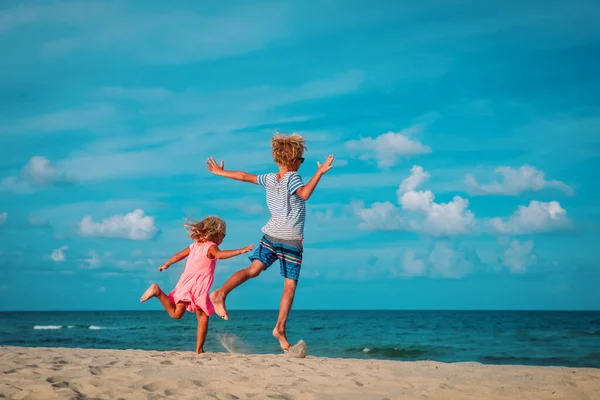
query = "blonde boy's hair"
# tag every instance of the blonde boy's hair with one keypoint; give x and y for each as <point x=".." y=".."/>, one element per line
<point x="287" y="148"/>
<point x="207" y="229"/>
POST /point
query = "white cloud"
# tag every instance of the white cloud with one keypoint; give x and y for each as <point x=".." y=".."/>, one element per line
<point x="129" y="264"/>
<point x="16" y="185"/>
<point x="58" y="255"/>
<point x="3" y="217"/>
<point x="537" y="217"/>
<point x="440" y="261"/>
<point x="416" y="178"/>
<point x="37" y="221"/>
<point x="380" y="216"/>
<point x="387" y="148"/>
<point x="133" y="264"/>
<point x="134" y="226"/>
<point x="39" y="172"/>
<point x="437" y="219"/>
<point x="422" y="213"/>
<point x="411" y="265"/>
<point x="518" y="256"/>
<point x="451" y="263"/>
<point x="91" y="261"/>
<point x="416" y="201"/>
<point x="446" y="219"/>
<point x="515" y="181"/>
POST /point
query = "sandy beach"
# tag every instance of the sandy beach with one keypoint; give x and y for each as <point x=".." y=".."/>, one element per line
<point x="61" y="373"/>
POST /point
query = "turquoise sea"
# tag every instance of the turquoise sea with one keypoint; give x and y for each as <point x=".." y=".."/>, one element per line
<point x="493" y="337"/>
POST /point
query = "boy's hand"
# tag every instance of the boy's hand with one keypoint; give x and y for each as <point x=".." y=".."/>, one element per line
<point x="326" y="166"/>
<point x="213" y="167"/>
<point x="162" y="268"/>
<point x="247" y="249"/>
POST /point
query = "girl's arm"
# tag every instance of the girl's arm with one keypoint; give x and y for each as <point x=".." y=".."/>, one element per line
<point x="218" y="169"/>
<point x="176" y="258"/>
<point x="214" y="252"/>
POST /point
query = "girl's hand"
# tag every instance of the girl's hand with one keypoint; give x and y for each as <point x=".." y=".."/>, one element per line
<point x="162" y="268"/>
<point x="247" y="249"/>
<point x="213" y="167"/>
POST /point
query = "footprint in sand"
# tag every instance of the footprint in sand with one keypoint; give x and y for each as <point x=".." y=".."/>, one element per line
<point x="198" y="383"/>
<point x="229" y="396"/>
<point x="165" y="387"/>
<point x="151" y="387"/>
<point x="95" y="371"/>
<point x="11" y="371"/>
<point x="57" y="382"/>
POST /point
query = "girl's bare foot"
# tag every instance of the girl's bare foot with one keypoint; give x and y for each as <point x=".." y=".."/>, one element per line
<point x="283" y="342"/>
<point x="151" y="292"/>
<point x="218" y="301"/>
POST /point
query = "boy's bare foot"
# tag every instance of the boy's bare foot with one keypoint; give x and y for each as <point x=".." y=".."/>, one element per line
<point x="218" y="301"/>
<point x="151" y="292"/>
<point x="283" y="342"/>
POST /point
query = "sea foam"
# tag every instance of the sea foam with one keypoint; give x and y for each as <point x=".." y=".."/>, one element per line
<point x="48" y="327"/>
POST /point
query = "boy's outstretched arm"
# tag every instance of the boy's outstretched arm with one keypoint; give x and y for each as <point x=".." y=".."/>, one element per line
<point x="214" y="252"/>
<point x="219" y="169"/>
<point x="176" y="258"/>
<point x="307" y="190"/>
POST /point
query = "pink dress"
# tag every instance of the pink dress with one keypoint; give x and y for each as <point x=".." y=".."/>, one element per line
<point x="197" y="278"/>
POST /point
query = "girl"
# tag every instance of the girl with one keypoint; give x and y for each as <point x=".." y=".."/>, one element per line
<point x="192" y="290"/>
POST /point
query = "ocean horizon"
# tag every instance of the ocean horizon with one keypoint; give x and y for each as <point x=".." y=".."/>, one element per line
<point x="556" y="338"/>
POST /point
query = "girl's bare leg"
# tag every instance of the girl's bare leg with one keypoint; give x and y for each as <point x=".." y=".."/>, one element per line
<point x="175" y="311"/>
<point x="202" y="329"/>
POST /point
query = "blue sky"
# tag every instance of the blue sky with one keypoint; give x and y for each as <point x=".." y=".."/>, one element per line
<point x="466" y="138"/>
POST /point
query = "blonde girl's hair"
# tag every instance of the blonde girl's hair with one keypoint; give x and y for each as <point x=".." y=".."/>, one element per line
<point x="287" y="148"/>
<point x="207" y="229"/>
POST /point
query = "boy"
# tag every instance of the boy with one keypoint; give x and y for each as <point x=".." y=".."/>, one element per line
<point x="283" y="234"/>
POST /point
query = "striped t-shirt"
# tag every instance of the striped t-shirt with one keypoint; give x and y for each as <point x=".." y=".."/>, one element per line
<point x="287" y="209"/>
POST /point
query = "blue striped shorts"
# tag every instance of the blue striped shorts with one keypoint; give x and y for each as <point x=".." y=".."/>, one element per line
<point x="289" y="253"/>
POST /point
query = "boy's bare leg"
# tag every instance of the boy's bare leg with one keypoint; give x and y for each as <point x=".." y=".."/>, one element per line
<point x="287" y="299"/>
<point x="202" y="329"/>
<point x="218" y="296"/>
<point x="175" y="311"/>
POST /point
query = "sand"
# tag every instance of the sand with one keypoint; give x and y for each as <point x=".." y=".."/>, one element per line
<point x="51" y="373"/>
